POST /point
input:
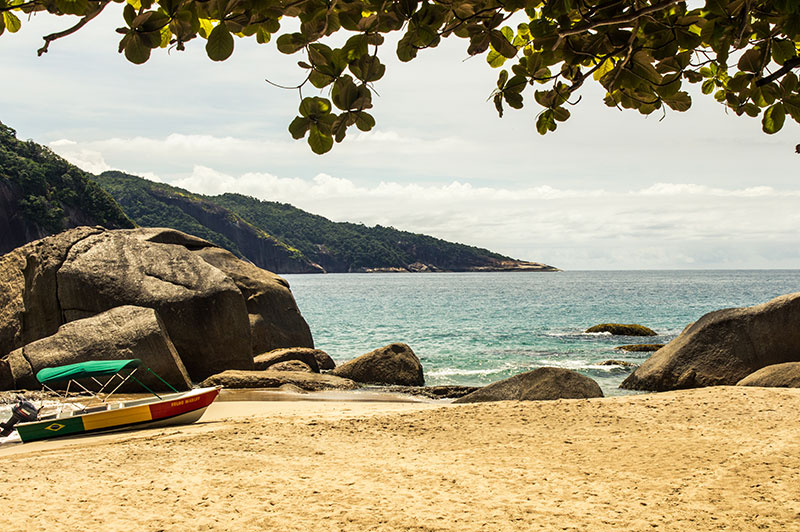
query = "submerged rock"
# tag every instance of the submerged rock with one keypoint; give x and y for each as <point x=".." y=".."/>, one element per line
<point x="623" y="363"/>
<point x="391" y="364"/>
<point x="786" y="375"/>
<point x="537" y="385"/>
<point x="121" y="333"/>
<point x="640" y="348"/>
<point x="275" y="379"/>
<point x="723" y="347"/>
<point x="622" y="329"/>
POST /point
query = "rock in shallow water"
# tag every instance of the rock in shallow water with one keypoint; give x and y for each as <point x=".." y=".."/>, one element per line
<point x="622" y="329"/>
<point x="392" y="364"/>
<point x="723" y="347"/>
<point x="537" y="385"/>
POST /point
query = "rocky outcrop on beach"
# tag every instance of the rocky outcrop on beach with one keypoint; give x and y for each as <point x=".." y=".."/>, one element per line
<point x="451" y="391"/>
<point x="538" y="385"/>
<point x="622" y="329"/>
<point x="292" y="365"/>
<point x="786" y="375"/>
<point x="315" y="359"/>
<point x="392" y="364"/>
<point x="311" y="382"/>
<point x="723" y="347"/>
<point x="214" y="307"/>
<point x="120" y="333"/>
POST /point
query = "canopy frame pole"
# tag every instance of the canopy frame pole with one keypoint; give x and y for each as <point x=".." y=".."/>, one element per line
<point x="146" y="388"/>
<point x="171" y="387"/>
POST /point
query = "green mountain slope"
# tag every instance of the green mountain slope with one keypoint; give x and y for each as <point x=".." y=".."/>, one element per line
<point x="310" y="242"/>
<point x="42" y="194"/>
<point x="158" y="205"/>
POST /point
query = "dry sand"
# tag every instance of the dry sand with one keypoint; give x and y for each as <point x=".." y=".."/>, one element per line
<point x="712" y="459"/>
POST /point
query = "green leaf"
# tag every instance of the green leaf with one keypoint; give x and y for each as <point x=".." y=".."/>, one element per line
<point x="72" y="7"/>
<point x="494" y="59"/>
<point x="289" y="43"/>
<point x="501" y="44"/>
<point x="136" y="51"/>
<point x="314" y="107"/>
<point x="545" y="122"/>
<point x="11" y="22"/>
<point x="299" y="127"/>
<point x="561" y="114"/>
<point x="708" y="86"/>
<point x="320" y="142"/>
<point x="364" y="121"/>
<point x="783" y="50"/>
<point x="681" y="101"/>
<point x="345" y="93"/>
<point x="774" y="118"/>
<point x="220" y="43"/>
<point x="750" y="61"/>
<point x="368" y="68"/>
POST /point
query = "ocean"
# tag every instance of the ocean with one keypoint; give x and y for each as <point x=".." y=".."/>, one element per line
<point x="478" y="328"/>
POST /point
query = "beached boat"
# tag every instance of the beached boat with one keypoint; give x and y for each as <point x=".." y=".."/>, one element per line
<point x="98" y="413"/>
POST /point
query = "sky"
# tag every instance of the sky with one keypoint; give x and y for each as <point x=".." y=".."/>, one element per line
<point x="607" y="190"/>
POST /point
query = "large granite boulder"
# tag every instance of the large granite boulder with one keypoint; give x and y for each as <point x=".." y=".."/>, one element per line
<point x="275" y="321"/>
<point x="211" y="308"/>
<point x="29" y="306"/>
<point x="306" y="355"/>
<point x="723" y="347"/>
<point x="275" y="379"/>
<point x="786" y="375"/>
<point x="391" y="364"/>
<point x="120" y="333"/>
<point x="538" y="385"/>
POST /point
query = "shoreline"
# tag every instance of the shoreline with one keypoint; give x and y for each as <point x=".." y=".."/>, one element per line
<point x="704" y="459"/>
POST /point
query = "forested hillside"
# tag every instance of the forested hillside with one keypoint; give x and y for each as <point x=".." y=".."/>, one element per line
<point x="42" y="194"/>
<point x="310" y="242"/>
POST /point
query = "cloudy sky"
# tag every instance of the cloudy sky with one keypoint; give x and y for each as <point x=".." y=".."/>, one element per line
<point x="608" y="190"/>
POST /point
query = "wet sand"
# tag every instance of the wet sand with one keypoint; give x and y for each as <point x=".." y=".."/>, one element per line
<point x="722" y="458"/>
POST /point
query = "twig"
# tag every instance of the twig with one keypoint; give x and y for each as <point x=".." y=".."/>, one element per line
<point x="81" y="23"/>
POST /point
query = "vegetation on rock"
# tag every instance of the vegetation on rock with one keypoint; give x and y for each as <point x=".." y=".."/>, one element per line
<point x="49" y="194"/>
<point x="621" y="329"/>
<point x="642" y="52"/>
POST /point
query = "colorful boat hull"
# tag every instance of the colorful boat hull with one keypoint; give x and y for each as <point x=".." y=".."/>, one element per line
<point x="174" y="409"/>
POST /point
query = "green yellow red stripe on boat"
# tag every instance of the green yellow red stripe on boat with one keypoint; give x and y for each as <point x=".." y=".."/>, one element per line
<point x="115" y="418"/>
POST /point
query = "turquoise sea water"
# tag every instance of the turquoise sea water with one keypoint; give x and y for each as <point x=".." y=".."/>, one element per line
<point x="477" y="328"/>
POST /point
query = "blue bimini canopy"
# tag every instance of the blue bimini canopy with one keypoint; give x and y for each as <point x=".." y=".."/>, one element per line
<point x="82" y="370"/>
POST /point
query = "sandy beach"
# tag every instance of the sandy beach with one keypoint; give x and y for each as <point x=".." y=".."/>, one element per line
<point x="721" y="458"/>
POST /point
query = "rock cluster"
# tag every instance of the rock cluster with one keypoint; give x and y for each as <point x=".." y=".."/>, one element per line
<point x="723" y="347"/>
<point x="214" y="308"/>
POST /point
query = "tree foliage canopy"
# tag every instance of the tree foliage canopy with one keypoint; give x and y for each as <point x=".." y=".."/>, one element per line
<point x="642" y="52"/>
